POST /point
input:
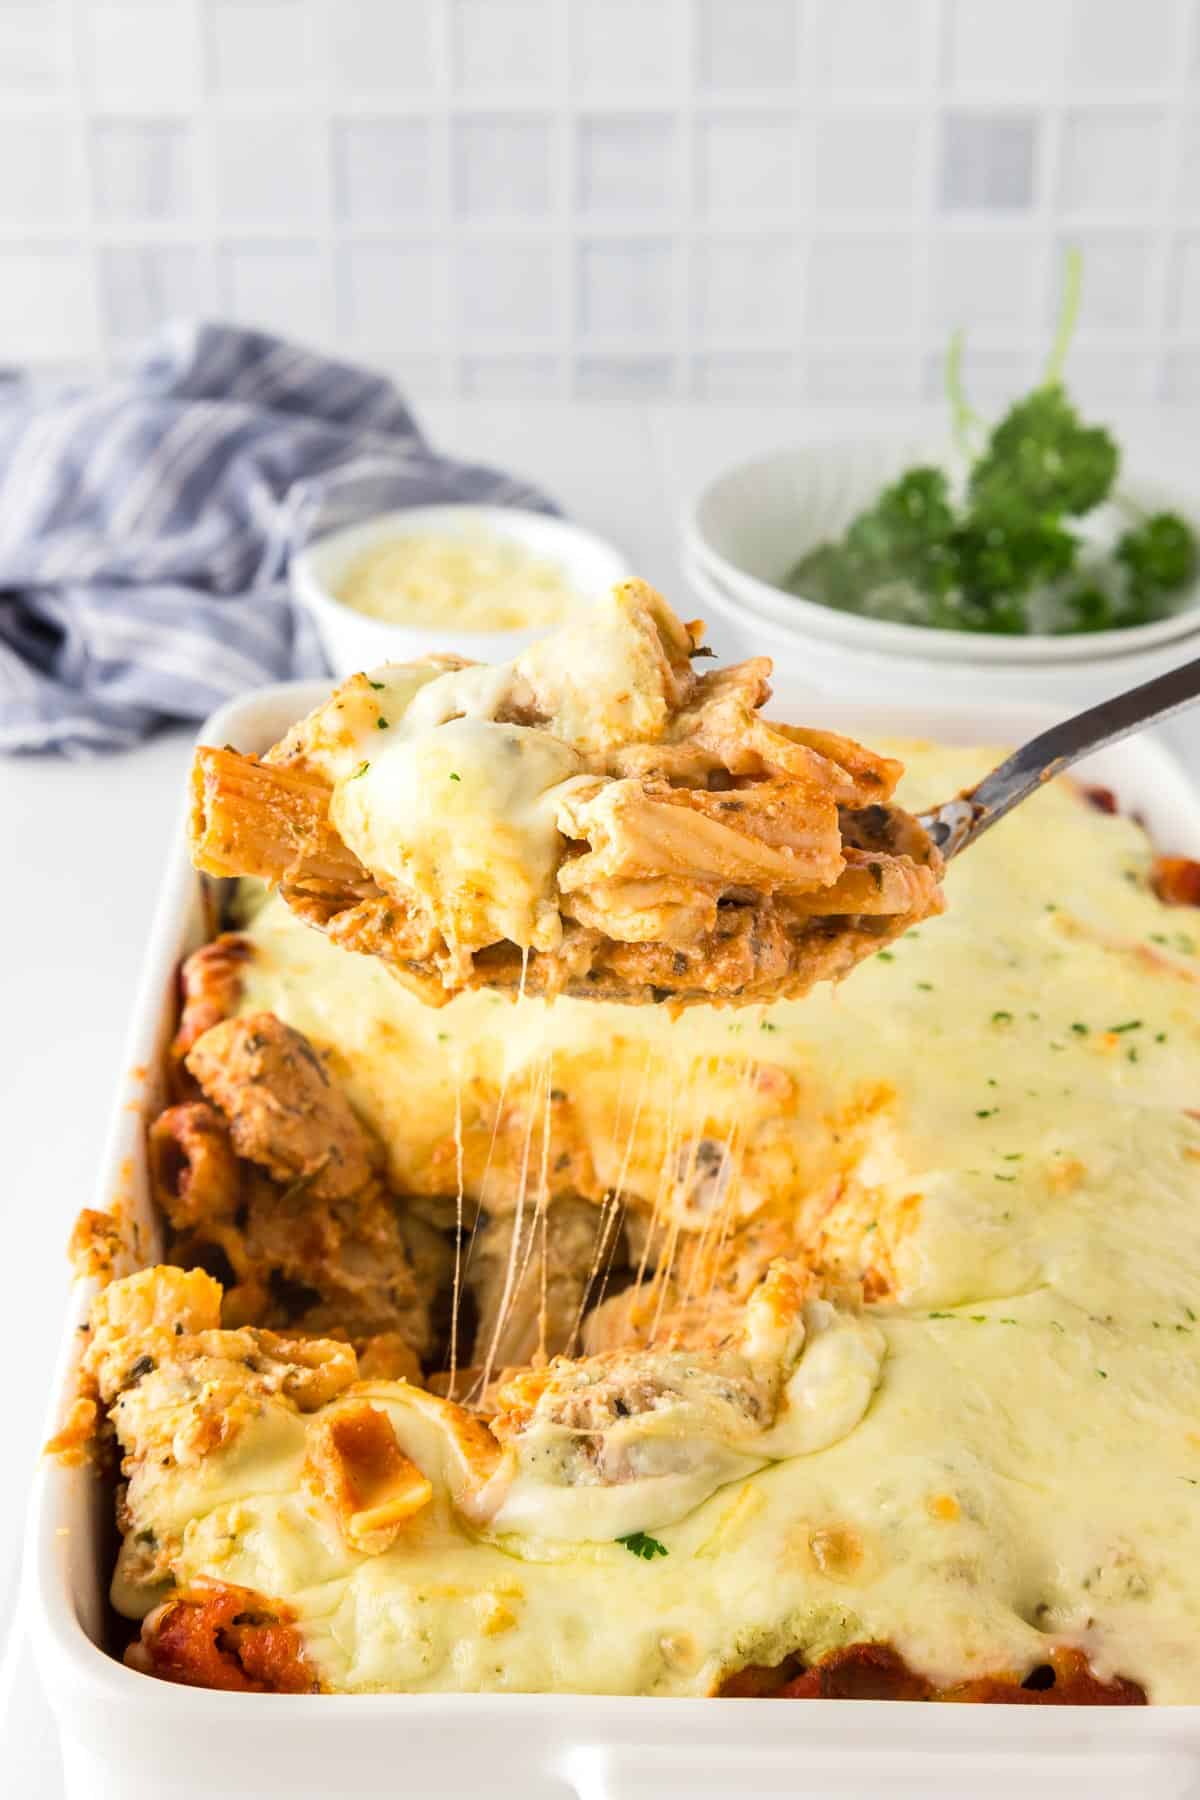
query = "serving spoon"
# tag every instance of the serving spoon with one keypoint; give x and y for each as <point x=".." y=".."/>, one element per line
<point x="959" y="822"/>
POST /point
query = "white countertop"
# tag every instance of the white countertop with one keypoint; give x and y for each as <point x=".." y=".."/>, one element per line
<point x="83" y="843"/>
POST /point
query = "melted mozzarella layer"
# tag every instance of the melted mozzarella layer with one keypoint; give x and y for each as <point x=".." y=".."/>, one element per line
<point x="464" y="815"/>
<point x="999" y="1116"/>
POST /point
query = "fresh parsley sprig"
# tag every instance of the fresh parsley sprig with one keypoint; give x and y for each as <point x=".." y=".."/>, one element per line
<point x="639" y="1543"/>
<point x="1006" y="559"/>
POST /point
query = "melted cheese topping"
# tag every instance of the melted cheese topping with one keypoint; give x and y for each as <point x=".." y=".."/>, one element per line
<point x="473" y="582"/>
<point x="448" y="802"/>
<point x="465" y="815"/>
<point x="1000" y="1115"/>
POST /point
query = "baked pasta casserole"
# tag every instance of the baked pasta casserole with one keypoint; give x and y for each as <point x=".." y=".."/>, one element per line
<point x="838" y="1347"/>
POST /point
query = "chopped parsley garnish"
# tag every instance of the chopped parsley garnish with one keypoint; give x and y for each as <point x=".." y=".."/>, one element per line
<point x="639" y="1543"/>
<point x="1002" y="1018"/>
<point x="885" y="956"/>
<point x="377" y="685"/>
<point x="926" y="987"/>
<point x="985" y="1112"/>
<point x="381" y="724"/>
<point x="1080" y="1028"/>
<point x="454" y="776"/>
<point x="766" y="1025"/>
<point x="361" y="770"/>
<point x="1103" y="1374"/>
<point x="1004" y="1178"/>
<point x="1129" y="1025"/>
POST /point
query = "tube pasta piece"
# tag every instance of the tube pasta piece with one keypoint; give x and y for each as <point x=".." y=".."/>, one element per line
<point x="194" y="1173"/>
<point x="355" y="1464"/>
<point x="213" y="1635"/>
<point x="593" y="818"/>
<point x="210" y="980"/>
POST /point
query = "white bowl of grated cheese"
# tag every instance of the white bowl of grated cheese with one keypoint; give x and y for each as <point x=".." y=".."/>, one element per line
<point x="482" y="580"/>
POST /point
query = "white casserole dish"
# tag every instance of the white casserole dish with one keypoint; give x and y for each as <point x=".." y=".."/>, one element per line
<point x="128" y="1737"/>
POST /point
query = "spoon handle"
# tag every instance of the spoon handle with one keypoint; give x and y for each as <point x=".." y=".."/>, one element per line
<point x="960" y="821"/>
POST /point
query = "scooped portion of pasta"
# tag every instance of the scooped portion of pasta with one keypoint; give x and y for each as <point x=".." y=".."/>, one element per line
<point x="596" y="818"/>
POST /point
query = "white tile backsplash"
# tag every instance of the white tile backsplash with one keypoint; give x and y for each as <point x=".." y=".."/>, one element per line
<point x="382" y="47"/>
<point x="747" y="290"/>
<point x="47" y="305"/>
<point x="390" y="294"/>
<point x="1180" y="382"/>
<point x="383" y="170"/>
<point x="268" y="170"/>
<point x="1015" y="48"/>
<point x="625" y="47"/>
<point x="516" y="377"/>
<point x="1185" y="286"/>
<point x="748" y="45"/>
<point x="869" y="46"/>
<point x="861" y="378"/>
<point x="861" y="287"/>
<point x="32" y="45"/>
<point x="737" y="375"/>
<point x="987" y="161"/>
<point x="143" y="285"/>
<point x="625" y="377"/>
<point x="867" y="162"/>
<point x="628" y="165"/>
<point x="1115" y="271"/>
<point x="748" y="164"/>
<point x="727" y="198"/>
<point x="980" y="281"/>
<point x="504" y="46"/>
<point x="140" y="55"/>
<point x="1111" y="161"/>
<point x="142" y="170"/>
<point x="626" y="290"/>
<point x="260" y="46"/>
<point x="40" y="181"/>
<point x="502" y="167"/>
<point x="261" y="282"/>
<point x="1115" y="44"/>
<point x="505" y="289"/>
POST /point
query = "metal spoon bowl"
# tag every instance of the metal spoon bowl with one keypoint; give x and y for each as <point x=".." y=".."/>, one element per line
<point x="959" y="822"/>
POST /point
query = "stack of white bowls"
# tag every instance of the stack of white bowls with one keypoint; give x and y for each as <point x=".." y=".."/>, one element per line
<point x="754" y="523"/>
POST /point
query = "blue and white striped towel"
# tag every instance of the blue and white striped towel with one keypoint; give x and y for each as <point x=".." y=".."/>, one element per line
<point x="145" y="527"/>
